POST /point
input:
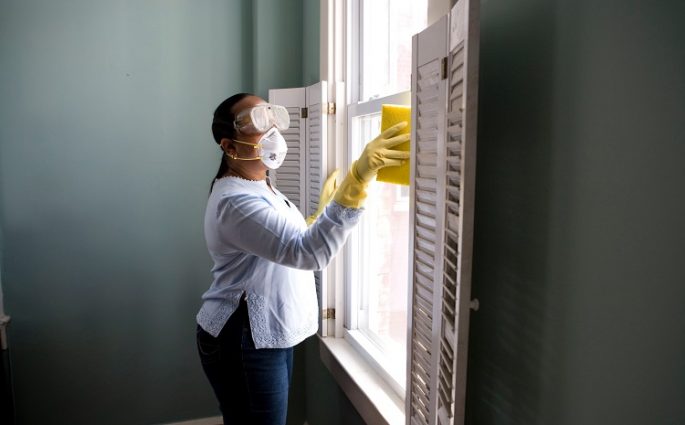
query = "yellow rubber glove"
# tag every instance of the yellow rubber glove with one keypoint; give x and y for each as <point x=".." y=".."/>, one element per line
<point x="327" y="191"/>
<point x="377" y="154"/>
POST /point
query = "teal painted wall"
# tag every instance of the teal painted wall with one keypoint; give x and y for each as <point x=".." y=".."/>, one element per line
<point x="277" y="44"/>
<point x="311" y="42"/>
<point x="105" y="161"/>
<point x="327" y="404"/>
<point x="579" y="228"/>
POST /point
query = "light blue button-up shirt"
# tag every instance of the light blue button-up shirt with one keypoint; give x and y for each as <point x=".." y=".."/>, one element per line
<point x="261" y="247"/>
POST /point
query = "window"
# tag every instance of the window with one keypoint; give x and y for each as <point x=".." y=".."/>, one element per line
<point x="423" y="233"/>
<point x="386" y="28"/>
<point x="377" y="270"/>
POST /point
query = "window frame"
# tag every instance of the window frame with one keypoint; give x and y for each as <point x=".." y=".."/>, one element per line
<point x="371" y="394"/>
<point x="369" y="348"/>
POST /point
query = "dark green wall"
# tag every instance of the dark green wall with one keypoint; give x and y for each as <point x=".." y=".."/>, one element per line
<point x="579" y="230"/>
<point x="105" y="161"/>
<point x="579" y="220"/>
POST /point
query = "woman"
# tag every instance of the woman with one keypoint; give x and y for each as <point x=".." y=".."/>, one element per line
<point x="262" y="301"/>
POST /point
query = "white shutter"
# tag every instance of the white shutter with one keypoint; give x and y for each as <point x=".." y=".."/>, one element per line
<point x="289" y="178"/>
<point x="305" y="167"/>
<point x="317" y="171"/>
<point x="428" y="130"/>
<point x="462" y="112"/>
<point x="317" y="130"/>
<point x="444" y="106"/>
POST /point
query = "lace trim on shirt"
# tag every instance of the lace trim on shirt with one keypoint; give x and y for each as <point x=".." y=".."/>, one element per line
<point x="265" y="337"/>
<point x="213" y="322"/>
<point x="345" y="214"/>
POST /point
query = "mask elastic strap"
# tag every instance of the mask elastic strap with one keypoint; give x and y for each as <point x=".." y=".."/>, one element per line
<point x="256" y="146"/>
<point x="242" y="159"/>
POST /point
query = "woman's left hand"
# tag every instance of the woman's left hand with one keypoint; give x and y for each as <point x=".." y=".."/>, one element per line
<point x="327" y="191"/>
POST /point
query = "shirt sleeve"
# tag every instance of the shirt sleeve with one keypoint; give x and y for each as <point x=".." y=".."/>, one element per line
<point x="250" y="224"/>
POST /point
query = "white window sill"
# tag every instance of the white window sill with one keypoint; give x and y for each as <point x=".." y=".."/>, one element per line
<point x="389" y="367"/>
<point x="374" y="399"/>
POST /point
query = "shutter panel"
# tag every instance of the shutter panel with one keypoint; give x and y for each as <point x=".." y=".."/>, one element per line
<point x="316" y="173"/>
<point x="428" y="129"/>
<point x="462" y="109"/>
<point x="316" y="143"/>
<point x="289" y="178"/>
<point x="305" y="169"/>
<point x="438" y="365"/>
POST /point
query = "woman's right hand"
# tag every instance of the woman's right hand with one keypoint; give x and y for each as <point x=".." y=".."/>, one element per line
<point x="378" y="153"/>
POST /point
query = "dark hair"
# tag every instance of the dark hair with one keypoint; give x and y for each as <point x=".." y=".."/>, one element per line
<point x="222" y="128"/>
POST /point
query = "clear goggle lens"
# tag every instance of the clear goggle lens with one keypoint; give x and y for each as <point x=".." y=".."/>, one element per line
<point x="261" y="118"/>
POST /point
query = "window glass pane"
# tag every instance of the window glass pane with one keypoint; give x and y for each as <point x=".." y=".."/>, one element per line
<point x="387" y="238"/>
<point x="387" y="27"/>
<point x="383" y="257"/>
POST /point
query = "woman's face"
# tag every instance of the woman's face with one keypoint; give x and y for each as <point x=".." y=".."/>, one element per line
<point x="238" y="149"/>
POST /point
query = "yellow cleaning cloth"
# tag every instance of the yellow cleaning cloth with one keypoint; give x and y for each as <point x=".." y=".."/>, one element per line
<point x="391" y="115"/>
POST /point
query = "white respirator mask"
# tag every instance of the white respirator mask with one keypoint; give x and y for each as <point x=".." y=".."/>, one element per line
<point x="271" y="149"/>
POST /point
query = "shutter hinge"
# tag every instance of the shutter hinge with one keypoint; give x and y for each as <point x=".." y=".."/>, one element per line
<point x="328" y="313"/>
<point x="4" y="321"/>
<point x="443" y="72"/>
<point x="330" y="108"/>
<point x="304" y="112"/>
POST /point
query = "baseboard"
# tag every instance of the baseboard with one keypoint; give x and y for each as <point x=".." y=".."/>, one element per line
<point x="215" y="420"/>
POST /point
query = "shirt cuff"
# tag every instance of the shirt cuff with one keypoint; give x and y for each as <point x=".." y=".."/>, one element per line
<point x="343" y="215"/>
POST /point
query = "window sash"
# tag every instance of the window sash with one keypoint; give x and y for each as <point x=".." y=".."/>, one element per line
<point x="353" y="111"/>
<point x="369" y="344"/>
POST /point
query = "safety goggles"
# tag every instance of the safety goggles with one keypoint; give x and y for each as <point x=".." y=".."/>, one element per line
<point x="261" y="118"/>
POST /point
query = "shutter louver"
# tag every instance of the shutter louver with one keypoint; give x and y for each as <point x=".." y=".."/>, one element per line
<point x="314" y="160"/>
<point x="289" y="178"/>
<point x="426" y="233"/>
<point x="453" y="157"/>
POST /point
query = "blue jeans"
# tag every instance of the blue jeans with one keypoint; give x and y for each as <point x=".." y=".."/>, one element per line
<point x="251" y="384"/>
